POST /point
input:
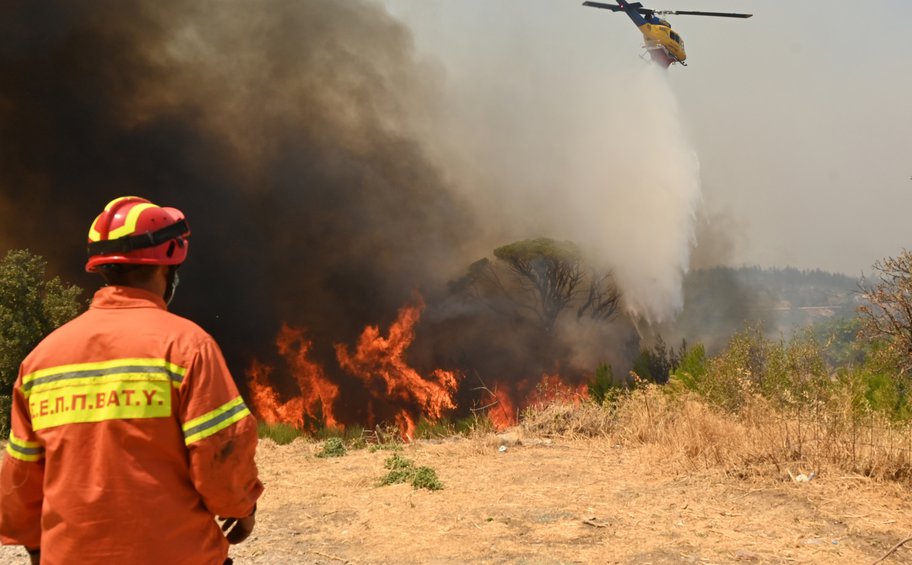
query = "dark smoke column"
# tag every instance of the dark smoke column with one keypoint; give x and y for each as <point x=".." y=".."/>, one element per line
<point x="281" y="128"/>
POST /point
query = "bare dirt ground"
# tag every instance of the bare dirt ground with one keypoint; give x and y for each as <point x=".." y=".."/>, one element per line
<point x="560" y="501"/>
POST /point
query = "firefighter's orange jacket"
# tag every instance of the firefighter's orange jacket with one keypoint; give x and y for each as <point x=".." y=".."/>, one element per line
<point x="128" y="437"/>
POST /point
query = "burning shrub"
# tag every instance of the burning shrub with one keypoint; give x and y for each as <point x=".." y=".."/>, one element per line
<point x="395" y="390"/>
<point x="530" y="321"/>
<point x="379" y="362"/>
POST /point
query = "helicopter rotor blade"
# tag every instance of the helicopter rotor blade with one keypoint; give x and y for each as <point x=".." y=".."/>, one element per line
<point x="616" y="8"/>
<point x="612" y="7"/>
<point x="692" y="13"/>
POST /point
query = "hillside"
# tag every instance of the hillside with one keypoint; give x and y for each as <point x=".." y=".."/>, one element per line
<point x="720" y="301"/>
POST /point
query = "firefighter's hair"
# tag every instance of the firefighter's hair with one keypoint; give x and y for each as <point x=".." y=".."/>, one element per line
<point x="125" y="274"/>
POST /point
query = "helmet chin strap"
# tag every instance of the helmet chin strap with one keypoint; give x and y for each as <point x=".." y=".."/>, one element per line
<point x="173" y="281"/>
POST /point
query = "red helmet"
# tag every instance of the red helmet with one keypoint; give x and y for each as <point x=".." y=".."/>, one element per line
<point x="133" y="230"/>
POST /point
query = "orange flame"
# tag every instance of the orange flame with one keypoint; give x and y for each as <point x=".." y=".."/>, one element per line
<point x="265" y="400"/>
<point x="553" y="389"/>
<point x="503" y="414"/>
<point x="318" y="393"/>
<point x="550" y="389"/>
<point x="379" y="360"/>
<point x="395" y="391"/>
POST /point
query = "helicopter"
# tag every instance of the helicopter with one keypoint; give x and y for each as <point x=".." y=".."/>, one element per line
<point x="663" y="44"/>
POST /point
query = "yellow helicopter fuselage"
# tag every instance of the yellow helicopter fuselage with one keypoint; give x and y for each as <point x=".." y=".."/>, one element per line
<point x="661" y="36"/>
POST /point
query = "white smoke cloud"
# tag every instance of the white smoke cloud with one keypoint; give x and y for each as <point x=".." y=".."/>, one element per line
<point x="614" y="173"/>
<point x="634" y="193"/>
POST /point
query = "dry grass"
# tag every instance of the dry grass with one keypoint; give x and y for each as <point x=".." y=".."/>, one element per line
<point x="758" y="439"/>
<point x="557" y="500"/>
<point x="568" y="420"/>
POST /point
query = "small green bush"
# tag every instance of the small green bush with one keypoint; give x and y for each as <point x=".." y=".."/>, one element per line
<point x="333" y="447"/>
<point x="425" y="477"/>
<point x="280" y="433"/>
<point x="402" y="470"/>
<point x="352" y="436"/>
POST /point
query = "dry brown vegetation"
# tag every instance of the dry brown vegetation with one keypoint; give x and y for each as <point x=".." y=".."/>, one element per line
<point x="758" y="439"/>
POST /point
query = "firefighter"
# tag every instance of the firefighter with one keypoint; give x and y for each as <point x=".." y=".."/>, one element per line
<point x="128" y="434"/>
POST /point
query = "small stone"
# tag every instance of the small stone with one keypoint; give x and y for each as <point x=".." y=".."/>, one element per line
<point x="508" y="438"/>
<point x="744" y="555"/>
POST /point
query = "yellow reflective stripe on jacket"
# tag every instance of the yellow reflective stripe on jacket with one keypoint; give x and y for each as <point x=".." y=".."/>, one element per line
<point x="109" y="390"/>
<point x="215" y="421"/>
<point x="24" y="450"/>
<point x="105" y="371"/>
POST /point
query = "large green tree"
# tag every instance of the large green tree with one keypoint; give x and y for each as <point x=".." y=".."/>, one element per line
<point x="31" y="306"/>
<point x="541" y="278"/>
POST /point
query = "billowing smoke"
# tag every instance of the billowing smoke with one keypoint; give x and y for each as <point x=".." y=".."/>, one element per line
<point x="636" y="194"/>
<point x="280" y="128"/>
<point x="603" y="161"/>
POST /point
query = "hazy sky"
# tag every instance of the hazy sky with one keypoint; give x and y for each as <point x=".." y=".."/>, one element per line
<point x="801" y="117"/>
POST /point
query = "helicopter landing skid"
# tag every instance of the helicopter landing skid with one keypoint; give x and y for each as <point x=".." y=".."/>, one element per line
<point x="660" y="56"/>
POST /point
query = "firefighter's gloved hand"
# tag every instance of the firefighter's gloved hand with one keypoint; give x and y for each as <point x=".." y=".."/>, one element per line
<point x="238" y="529"/>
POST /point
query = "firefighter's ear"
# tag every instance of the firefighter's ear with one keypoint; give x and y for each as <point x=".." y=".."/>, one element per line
<point x="171" y="282"/>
